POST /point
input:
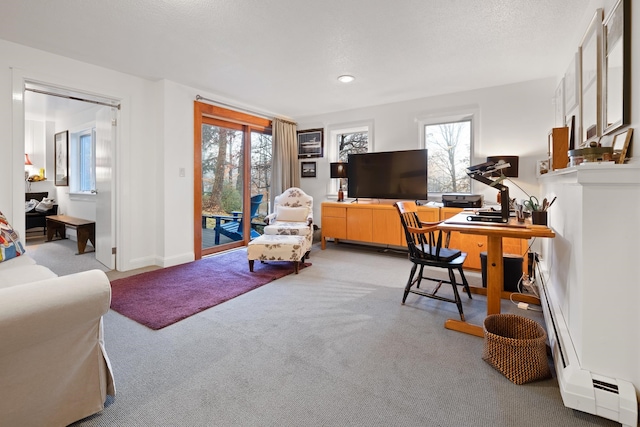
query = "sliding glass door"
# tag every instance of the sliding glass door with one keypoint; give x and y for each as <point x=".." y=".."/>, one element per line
<point x="232" y="172"/>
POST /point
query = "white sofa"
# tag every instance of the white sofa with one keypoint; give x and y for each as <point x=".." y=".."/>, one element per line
<point x="53" y="366"/>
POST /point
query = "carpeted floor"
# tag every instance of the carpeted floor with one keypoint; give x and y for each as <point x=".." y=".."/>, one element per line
<point x="60" y="255"/>
<point x="162" y="297"/>
<point x="331" y="346"/>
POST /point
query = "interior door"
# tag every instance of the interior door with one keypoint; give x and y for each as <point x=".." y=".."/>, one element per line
<point x="105" y="200"/>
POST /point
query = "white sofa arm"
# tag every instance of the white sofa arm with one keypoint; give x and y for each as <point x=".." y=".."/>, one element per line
<point x="38" y="311"/>
<point x="53" y="364"/>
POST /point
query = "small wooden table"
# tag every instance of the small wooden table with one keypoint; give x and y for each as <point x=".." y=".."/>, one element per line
<point x="495" y="267"/>
<point x="86" y="230"/>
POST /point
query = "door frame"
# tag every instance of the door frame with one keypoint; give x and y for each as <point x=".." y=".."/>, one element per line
<point x="250" y="123"/>
<point x="19" y="83"/>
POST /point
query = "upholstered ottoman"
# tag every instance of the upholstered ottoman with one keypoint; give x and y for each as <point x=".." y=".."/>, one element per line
<point x="277" y="248"/>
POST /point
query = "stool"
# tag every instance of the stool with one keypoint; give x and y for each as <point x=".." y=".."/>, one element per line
<point x="277" y="248"/>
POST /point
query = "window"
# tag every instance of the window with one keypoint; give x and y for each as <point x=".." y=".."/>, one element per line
<point x="348" y="139"/>
<point x="83" y="162"/>
<point x="449" y="147"/>
<point x="352" y="143"/>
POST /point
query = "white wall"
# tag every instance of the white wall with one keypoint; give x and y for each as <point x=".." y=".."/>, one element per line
<point x="137" y="225"/>
<point x="154" y="205"/>
<point x="512" y="120"/>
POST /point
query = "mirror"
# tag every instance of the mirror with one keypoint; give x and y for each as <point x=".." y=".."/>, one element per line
<point x="615" y="67"/>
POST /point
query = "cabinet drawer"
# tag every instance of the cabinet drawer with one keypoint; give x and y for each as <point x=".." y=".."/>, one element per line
<point x="334" y="212"/>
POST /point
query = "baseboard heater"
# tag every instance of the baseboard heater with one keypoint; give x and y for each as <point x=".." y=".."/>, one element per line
<point x="583" y="390"/>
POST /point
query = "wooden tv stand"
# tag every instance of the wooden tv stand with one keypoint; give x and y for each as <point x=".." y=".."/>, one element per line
<point x="379" y="223"/>
<point x="367" y="222"/>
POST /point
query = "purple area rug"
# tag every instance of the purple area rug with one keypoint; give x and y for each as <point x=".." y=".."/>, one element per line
<point x="162" y="297"/>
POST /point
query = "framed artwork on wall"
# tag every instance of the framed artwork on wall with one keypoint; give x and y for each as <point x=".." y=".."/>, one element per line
<point x="590" y="79"/>
<point x="571" y="85"/>
<point x="310" y="143"/>
<point x="616" y="73"/>
<point x="559" y="104"/>
<point x="61" y="160"/>
<point x="621" y="145"/>
<point x="308" y="170"/>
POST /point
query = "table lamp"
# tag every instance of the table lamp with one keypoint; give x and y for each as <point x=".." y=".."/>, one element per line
<point x="339" y="170"/>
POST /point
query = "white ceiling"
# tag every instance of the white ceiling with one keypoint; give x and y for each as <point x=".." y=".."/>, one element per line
<point x="284" y="56"/>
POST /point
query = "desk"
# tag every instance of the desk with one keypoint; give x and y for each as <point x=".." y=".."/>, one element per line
<point x="86" y="230"/>
<point x="495" y="267"/>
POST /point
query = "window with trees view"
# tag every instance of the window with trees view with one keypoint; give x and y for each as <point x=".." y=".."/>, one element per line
<point x="449" y="148"/>
<point x="352" y="143"/>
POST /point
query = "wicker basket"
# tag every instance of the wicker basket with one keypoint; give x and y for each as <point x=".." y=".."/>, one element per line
<point x="516" y="346"/>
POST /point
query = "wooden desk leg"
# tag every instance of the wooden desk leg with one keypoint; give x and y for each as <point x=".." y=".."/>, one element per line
<point x="323" y="243"/>
<point x="495" y="274"/>
<point x="467" y="328"/>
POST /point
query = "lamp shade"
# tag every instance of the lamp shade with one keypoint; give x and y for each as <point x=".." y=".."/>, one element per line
<point x="511" y="171"/>
<point x="27" y="160"/>
<point x="339" y="170"/>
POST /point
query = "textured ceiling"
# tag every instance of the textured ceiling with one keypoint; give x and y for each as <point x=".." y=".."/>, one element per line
<point x="284" y="56"/>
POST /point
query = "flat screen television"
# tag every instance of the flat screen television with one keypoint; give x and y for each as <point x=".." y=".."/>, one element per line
<point x="388" y="175"/>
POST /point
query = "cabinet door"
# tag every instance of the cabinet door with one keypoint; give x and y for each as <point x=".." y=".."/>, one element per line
<point x="359" y="224"/>
<point x="386" y="227"/>
<point x="334" y="221"/>
<point x="334" y="227"/>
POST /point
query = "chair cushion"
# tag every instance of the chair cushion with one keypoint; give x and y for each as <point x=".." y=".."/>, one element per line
<point x="277" y="248"/>
<point x="285" y="213"/>
<point x="446" y="254"/>
<point x="288" y="228"/>
<point x="10" y="246"/>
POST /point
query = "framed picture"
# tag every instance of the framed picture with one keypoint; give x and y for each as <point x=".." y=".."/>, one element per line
<point x="590" y="79"/>
<point x="310" y="143"/>
<point x="616" y="73"/>
<point x="621" y="145"/>
<point x="571" y="85"/>
<point x="308" y="170"/>
<point x="559" y="104"/>
<point x="61" y="160"/>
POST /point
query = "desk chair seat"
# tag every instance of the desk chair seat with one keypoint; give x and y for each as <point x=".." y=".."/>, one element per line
<point x="426" y="248"/>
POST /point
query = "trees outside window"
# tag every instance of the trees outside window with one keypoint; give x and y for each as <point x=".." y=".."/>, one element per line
<point x="449" y="148"/>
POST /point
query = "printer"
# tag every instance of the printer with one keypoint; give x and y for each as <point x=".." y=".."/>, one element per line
<point x="461" y="200"/>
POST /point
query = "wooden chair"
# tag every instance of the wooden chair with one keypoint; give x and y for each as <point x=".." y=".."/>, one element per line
<point x="426" y="248"/>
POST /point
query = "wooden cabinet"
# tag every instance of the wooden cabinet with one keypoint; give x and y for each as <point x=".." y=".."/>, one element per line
<point x="377" y="223"/>
<point x="380" y="224"/>
<point x="474" y="244"/>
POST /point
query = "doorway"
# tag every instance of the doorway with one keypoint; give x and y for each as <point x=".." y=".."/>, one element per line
<point x="90" y="190"/>
<point x="232" y="169"/>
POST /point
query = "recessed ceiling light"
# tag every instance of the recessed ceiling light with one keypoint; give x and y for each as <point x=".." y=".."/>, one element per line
<point x="346" y="78"/>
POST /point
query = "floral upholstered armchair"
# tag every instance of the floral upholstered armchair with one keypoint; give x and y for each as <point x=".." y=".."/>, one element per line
<point x="292" y="215"/>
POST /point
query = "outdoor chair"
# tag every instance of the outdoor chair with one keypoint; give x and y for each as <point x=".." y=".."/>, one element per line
<point x="231" y="226"/>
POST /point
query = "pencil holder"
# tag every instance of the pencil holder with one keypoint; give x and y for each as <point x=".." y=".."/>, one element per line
<point x="539" y="217"/>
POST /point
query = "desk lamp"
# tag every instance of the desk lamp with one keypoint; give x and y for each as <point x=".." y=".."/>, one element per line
<point x="481" y="173"/>
<point x="509" y="172"/>
<point x="339" y="170"/>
